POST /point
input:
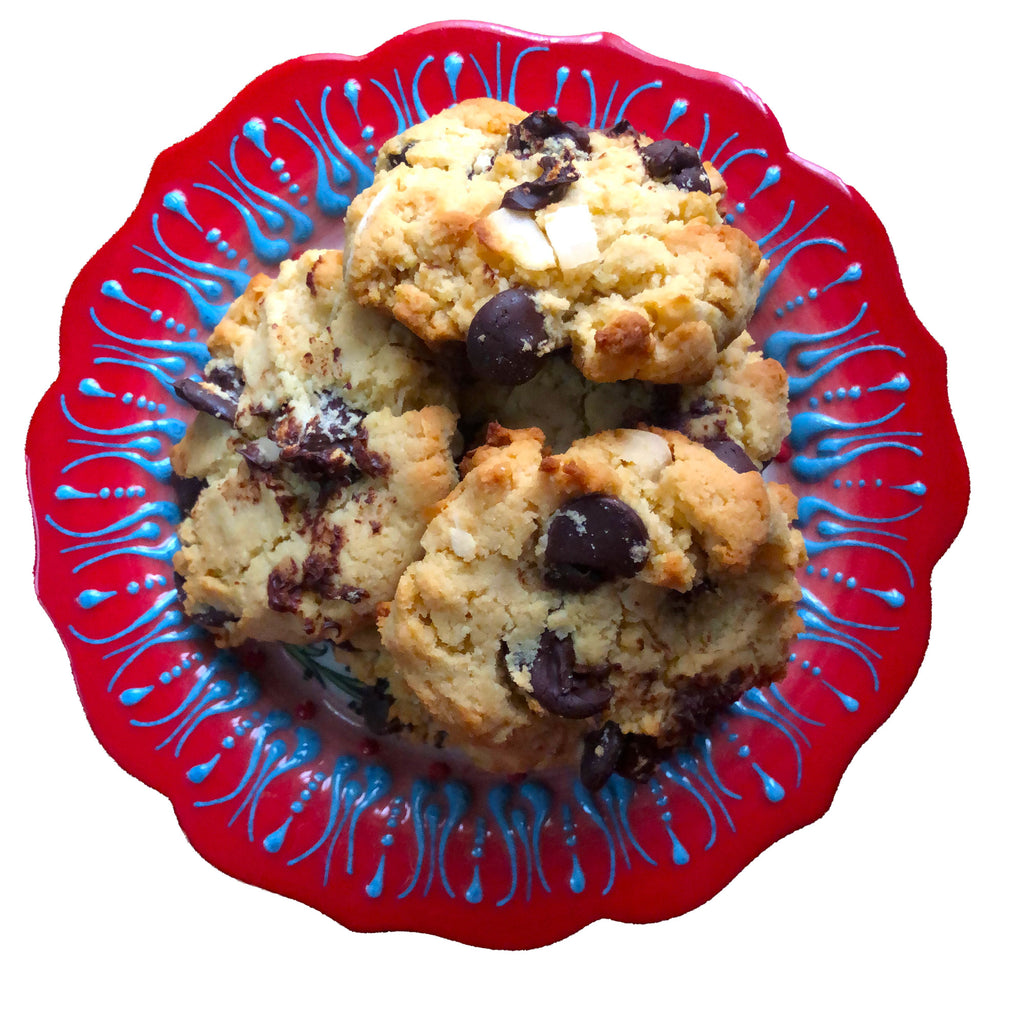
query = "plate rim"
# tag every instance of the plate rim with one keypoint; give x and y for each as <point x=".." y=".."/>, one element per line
<point x="953" y="523"/>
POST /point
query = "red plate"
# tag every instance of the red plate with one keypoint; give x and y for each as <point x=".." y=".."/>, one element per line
<point x="270" y="780"/>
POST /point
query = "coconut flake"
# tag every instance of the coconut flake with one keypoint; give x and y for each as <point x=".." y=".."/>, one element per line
<point x="648" y="452"/>
<point x="462" y="543"/>
<point x="515" y="234"/>
<point x="570" y="230"/>
<point x="350" y="242"/>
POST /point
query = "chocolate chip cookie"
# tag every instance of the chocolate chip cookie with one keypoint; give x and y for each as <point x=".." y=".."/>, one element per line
<point x="519" y="234"/>
<point x="323" y="438"/>
<point x="595" y="607"/>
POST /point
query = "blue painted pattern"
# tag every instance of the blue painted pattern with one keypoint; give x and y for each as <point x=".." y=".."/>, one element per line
<point x="450" y="826"/>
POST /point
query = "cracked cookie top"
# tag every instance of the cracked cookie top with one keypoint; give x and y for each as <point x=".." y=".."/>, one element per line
<point x="323" y="438"/>
<point x="746" y="401"/>
<point x="596" y="606"/>
<point x="518" y="234"/>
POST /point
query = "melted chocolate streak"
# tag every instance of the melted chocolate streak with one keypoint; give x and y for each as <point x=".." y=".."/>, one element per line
<point x="333" y="458"/>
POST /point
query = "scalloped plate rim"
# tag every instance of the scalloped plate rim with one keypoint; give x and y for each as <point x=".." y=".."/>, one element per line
<point x="942" y="538"/>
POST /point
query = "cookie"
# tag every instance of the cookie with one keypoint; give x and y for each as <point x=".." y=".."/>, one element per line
<point x="746" y="400"/>
<point x="520" y="234"/>
<point x="606" y="601"/>
<point x="323" y="439"/>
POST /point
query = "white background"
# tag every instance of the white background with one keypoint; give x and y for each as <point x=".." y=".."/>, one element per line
<point x="902" y="903"/>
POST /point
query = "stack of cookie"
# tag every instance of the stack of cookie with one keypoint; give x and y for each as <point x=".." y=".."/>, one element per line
<point x="563" y="310"/>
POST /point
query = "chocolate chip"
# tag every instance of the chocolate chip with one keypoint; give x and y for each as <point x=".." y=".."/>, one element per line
<point x="601" y="751"/>
<point x="288" y="581"/>
<point x="336" y="421"/>
<point x="640" y="757"/>
<point x="692" y="179"/>
<point x="667" y="157"/>
<point x="687" y="602"/>
<point x="504" y="338"/>
<point x="731" y="454"/>
<point x="186" y="491"/>
<point x="317" y="570"/>
<point x="701" y="420"/>
<point x="330" y="445"/>
<point x="591" y="540"/>
<point x="369" y="463"/>
<point x="212" y="618"/>
<point x="672" y="416"/>
<point x="226" y="376"/>
<point x="548" y="187"/>
<point x="216" y="393"/>
<point x="562" y="688"/>
<point x="284" y="587"/>
<point x="621" y="128"/>
<point x="261" y="454"/>
<point x="392" y="160"/>
<point x="529" y="136"/>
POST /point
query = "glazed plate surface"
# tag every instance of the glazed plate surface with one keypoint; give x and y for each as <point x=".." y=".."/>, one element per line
<point x="270" y="774"/>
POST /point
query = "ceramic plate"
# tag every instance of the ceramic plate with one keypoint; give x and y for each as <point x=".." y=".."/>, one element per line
<point x="270" y="775"/>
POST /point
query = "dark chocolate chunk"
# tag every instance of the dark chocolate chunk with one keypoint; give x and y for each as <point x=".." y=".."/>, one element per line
<point x="369" y="463"/>
<point x="528" y="137"/>
<point x="686" y="602"/>
<point x="260" y="456"/>
<point x="204" y="395"/>
<point x="559" y="686"/>
<point x="701" y="420"/>
<point x="284" y="587"/>
<point x="504" y="337"/>
<point x="336" y="422"/>
<point x="317" y="569"/>
<point x="730" y="453"/>
<point x="601" y="751"/>
<point x="227" y="377"/>
<point x="640" y="757"/>
<point x="212" y="618"/>
<point x="591" y="540"/>
<point x="331" y="445"/>
<point x="670" y="415"/>
<point x="621" y="128"/>
<point x="393" y="160"/>
<point x="678" y="163"/>
<point x="288" y="582"/>
<point x="548" y="187"/>
<point x="667" y="157"/>
<point x="186" y="491"/>
<point x="692" y="179"/>
<point x="699" y="699"/>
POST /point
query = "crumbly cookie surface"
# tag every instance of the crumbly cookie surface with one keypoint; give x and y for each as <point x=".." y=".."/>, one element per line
<point x="323" y="439"/>
<point x="745" y="400"/>
<point x="602" y="603"/>
<point x="603" y="241"/>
